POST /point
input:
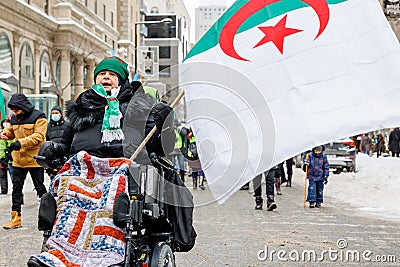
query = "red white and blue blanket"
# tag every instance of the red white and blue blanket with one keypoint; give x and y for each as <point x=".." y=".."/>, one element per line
<point x="84" y="234"/>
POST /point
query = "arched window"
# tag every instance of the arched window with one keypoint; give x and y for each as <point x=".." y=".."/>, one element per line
<point x="5" y="54"/>
<point x="27" y="84"/>
<point x="46" y="77"/>
<point x="154" y="9"/>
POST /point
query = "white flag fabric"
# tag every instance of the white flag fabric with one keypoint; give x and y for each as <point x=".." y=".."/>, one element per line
<point x="272" y="79"/>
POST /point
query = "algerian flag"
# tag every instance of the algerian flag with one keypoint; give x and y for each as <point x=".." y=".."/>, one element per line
<point x="273" y="78"/>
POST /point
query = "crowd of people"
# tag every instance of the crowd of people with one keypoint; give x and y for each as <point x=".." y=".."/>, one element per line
<point x="367" y="145"/>
<point x="89" y="127"/>
<point x="185" y="156"/>
<point x="93" y="123"/>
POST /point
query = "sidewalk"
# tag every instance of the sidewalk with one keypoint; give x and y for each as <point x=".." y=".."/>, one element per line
<point x="18" y="244"/>
<point x="233" y="234"/>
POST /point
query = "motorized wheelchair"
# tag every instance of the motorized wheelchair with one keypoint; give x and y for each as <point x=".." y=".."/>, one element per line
<point x="156" y="214"/>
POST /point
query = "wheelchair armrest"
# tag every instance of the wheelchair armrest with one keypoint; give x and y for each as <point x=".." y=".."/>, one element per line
<point x="152" y="210"/>
<point x="161" y="161"/>
<point x="47" y="212"/>
<point x="121" y="210"/>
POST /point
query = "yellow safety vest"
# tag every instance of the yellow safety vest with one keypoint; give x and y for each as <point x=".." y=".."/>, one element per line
<point x="152" y="92"/>
<point x="191" y="140"/>
<point x="179" y="141"/>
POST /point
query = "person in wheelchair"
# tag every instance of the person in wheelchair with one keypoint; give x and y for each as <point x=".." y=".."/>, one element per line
<point x="107" y="124"/>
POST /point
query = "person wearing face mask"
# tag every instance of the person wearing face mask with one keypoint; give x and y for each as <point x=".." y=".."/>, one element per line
<point x="28" y="127"/>
<point x="317" y="167"/>
<point x="57" y="125"/>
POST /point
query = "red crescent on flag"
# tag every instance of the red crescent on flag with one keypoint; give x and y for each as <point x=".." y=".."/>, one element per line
<point x="253" y="6"/>
<point x="322" y="9"/>
<point x="231" y="27"/>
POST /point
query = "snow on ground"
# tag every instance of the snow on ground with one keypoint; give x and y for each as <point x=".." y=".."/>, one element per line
<point x="374" y="188"/>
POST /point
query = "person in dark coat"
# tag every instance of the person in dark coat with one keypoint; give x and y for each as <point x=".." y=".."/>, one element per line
<point x="270" y="176"/>
<point x="111" y="119"/>
<point x="366" y="144"/>
<point x="4" y="163"/>
<point x="317" y="175"/>
<point x="57" y="125"/>
<point x="194" y="161"/>
<point x="394" y="139"/>
<point x="380" y="144"/>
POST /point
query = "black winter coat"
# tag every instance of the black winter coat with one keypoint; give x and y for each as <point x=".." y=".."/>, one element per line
<point x="55" y="130"/>
<point x="394" y="141"/>
<point x="86" y="118"/>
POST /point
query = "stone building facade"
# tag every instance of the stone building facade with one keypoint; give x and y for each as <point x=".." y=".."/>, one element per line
<point x="53" y="46"/>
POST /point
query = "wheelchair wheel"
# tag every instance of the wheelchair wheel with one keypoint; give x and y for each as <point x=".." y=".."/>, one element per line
<point x="162" y="256"/>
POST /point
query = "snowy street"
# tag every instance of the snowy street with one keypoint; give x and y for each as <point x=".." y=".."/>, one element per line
<point x="373" y="189"/>
<point x="360" y="211"/>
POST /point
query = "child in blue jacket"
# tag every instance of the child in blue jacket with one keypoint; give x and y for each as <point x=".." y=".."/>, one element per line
<point x="317" y="175"/>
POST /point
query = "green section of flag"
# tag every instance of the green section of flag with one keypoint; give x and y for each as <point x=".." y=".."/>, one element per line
<point x="211" y="37"/>
<point x="2" y="107"/>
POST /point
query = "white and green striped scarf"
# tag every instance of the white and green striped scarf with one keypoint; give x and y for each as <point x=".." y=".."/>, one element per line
<point x="111" y="127"/>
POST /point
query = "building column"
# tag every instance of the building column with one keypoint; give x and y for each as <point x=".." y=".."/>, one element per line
<point x="78" y="79"/>
<point x="36" y="63"/>
<point x="65" y="75"/>
<point x="16" y="56"/>
<point x="89" y="73"/>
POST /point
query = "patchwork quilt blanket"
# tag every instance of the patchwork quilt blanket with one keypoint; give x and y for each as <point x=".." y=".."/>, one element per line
<point x="84" y="234"/>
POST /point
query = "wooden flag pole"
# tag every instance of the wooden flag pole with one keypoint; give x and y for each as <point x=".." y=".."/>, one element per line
<point x="305" y="183"/>
<point x="151" y="133"/>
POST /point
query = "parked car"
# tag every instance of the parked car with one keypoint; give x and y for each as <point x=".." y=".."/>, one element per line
<point x="341" y="155"/>
<point x="298" y="160"/>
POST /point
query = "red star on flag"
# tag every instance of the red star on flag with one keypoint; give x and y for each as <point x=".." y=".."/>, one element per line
<point x="276" y="34"/>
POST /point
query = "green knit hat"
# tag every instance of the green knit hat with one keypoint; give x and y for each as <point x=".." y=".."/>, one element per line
<point x="113" y="64"/>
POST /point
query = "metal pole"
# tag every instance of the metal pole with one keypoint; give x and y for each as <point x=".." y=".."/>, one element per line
<point x="305" y="183"/>
<point x="164" y="21"/>
<point x="136" y="50"/>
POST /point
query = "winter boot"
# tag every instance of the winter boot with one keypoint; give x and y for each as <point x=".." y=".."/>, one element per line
<point x="182" y="174"/>
<point x="289" y="181"/>
<point x="15" y="221"/>
<point x="271" y="205"/>
<point x="259" y="203"/>
<point x="278" y="186"/>
<point x="312" y="205"/>
<point x="201" y="186"/>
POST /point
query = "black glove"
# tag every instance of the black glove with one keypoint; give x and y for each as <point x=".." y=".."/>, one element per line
<point x="304" y="167"/>
<point x="15" y="146"/>
<point x="160" y="112"/>
<point x="325" y="180"/>
<point x="4" y="162"/>
<point x="8" y="156"/>
<point x="49" y="155"/>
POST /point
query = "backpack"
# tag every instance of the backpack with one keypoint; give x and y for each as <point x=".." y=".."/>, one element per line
<point x="192" y="147"/>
